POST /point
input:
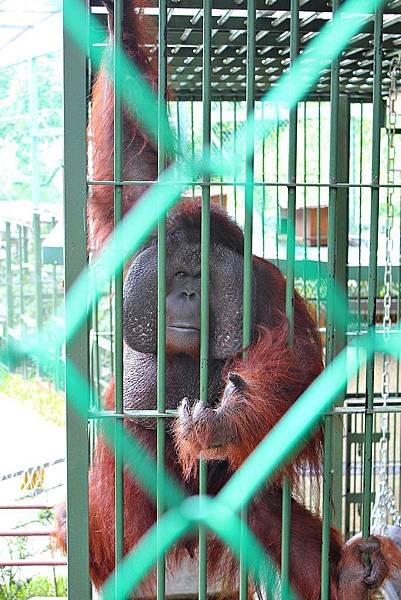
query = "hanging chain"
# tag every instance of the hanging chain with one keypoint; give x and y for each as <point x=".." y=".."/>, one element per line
<point x="385" y="504"/>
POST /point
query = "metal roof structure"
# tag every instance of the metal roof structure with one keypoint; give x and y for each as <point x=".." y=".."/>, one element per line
<point x="229" y="49"/>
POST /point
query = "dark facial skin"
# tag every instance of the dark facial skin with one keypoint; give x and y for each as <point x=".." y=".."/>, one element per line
<point x="183" y="312"/>
<point x="183" y="301"/>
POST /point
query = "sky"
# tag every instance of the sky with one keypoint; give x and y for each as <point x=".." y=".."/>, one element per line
<point x="29" y="28"/>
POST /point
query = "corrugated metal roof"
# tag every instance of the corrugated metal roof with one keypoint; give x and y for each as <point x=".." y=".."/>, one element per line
<point x="272" y="46"/>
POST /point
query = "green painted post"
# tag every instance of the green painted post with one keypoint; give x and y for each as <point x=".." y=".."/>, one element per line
<point x="161" y="298"/>
<point x="221" y="146"/>
<point x="77" y="351"/>
<point x="305" y="193"/>
<point x="56" y="357"/>
<point x="235" y="154"/>
<point x="319" y="165"/>
<point x="205" y="241"/>
<point x="118" y="287"/>
<point x="38" y="269"/>
<point x="37" y="244"/>
<point x="341" y="279"/>
<point x="248" y="231"/>
<point x="263" y="187"/>
<point x="9" y="279"/>
<point x="277" y="177"/>
<point x="374" y="229"/>
<point x="289" y="300"/>
<point x="192" y="140"/>
<point x="21" y="289"/>
<point x="330" y="322"/>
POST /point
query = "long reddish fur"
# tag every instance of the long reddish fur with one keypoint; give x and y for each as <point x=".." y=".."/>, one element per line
<point x="136" y="35"/>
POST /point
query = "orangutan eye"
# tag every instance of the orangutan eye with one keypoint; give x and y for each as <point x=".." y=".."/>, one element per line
<point x="180" y="275"/>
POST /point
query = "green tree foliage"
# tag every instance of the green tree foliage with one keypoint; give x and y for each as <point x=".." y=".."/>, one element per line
<point x="17" y="128"/>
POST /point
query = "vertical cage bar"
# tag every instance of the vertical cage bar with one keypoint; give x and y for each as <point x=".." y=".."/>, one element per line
<point x="118" y="286"/>
<point x="319" y="226"/>
<point x="305" y="194"/>
<point x="161" y="297"/>
<point x="178" y="121"/>
<point x="21" y="278"/>
<point x="77" y="349"/>
<point x="326" y="510"/>
<point x="205" y="240"/>
<point x="372" y="289"/>
<point x="264" y="185"/>
<point x="221" y="146"/>
<point x="289" y="300"/>
<point x="192" y="141"/>
<point x="248" y="230"/>
<point x="21" y="289"/>
<point x="235" y="163"/>
<point x="341" y="296"/>
<point x="9" y="279"/>
<point x="249" y="175"/>
<point x="292" y="177"/>
<point x="330" y="341"/>
<point x="38" y="269"/>
<point x="277" y="166"/>
<point x="359" y="233"/>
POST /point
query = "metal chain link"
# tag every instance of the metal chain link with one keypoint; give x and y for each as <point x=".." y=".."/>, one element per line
<point x="385" y="505"/>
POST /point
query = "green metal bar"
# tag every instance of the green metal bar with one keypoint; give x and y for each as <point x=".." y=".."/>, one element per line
<point x="192" y="142"/>
<point x="292" y="175"/>
<point x="348" y="459"/>
<point x="305" y="190"/>
<point x="278" y="223"/>
<point x="95" y="356"/>
<point x="360" y="226"/>
<point x="38" y="269"/>
<point x="221" y="146"/>
<point x="77" y="350"/>
<point x="111" y="326"/>
<point x="326" y="509"/>
<point x="25" y="254"/>
<point x="264" y="187"/>
<point x="205" y="250"/>
<point x="52" y="312"/>
<point x="177" y="107"/>
<point x="235" y="154"/>
<point x="190" y="181"/>
<point x="325" y="576"/>
<point x="118" y="288"/>
<point x="398" y="375"/>
<point x="161" y="301"/>
<point x="9" y="279"/>
<point x="285" y="539"/>
<point x="341" y="282"/>
<point x="330" y="322"/>
<point x="249" y="177"/>
<point x="37" y="245"/>
<point x="21" y="289"/>
<point x="21" y="277"/>
<point x="289" y="300"/>
<point x="248" y="230"/>
<point x="374" y="229"/>
<point x="319" y="166"/>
